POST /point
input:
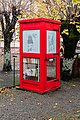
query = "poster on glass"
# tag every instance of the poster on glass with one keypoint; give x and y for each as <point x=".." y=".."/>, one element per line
<point x="31" y="41"/>
<point x="51" y="41"/>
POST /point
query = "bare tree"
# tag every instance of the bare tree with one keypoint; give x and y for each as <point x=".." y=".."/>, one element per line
<point x="9" y="12"/>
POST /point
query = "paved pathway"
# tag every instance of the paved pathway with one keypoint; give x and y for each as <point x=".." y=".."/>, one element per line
<point x="7" y="79"/>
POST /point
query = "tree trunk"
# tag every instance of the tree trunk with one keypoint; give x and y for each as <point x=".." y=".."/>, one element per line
<point x="69" y="48"/>
<point x="7" y="56"/>
<point x="8" y="22"/>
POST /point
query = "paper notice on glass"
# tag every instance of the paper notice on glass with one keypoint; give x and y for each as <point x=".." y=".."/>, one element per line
<point x="31" y="41"/>
<point x="51" y="41"/>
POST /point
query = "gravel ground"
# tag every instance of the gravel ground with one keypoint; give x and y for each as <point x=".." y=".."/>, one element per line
<point x="62" y="104"/>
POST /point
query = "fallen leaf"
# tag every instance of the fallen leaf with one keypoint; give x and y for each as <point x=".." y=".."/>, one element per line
<point x="11" y="100"/>
<point x="50" y="118"/>
<point x="39" y="104"/>
<point x="73" y="85"/>
<point x="56" y="103"/>
<point x="54" y="106"/>
<point x="34" y="118"/>
<point x="2" y="91"/>
<point x="70" y="101"/>
<point x="78" y="111"/>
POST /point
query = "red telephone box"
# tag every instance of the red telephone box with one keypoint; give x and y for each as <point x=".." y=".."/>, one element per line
<point x="39" y="54"/>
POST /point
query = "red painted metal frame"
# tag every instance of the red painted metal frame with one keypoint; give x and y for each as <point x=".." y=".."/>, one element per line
<point x="43" y="25"/>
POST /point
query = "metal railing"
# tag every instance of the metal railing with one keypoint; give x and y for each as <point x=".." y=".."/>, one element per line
<point x="8" y="79"/>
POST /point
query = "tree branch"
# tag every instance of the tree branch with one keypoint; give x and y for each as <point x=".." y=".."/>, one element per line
<point x="7" y="18"/>
<point x="2" y="24"/>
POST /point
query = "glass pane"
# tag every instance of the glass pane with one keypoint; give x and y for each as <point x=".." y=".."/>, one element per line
<point x="31" y="41"/>
<point x="31" y="69"/>
<point x="51" y="41"/>
<point x="51" y="69"/>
